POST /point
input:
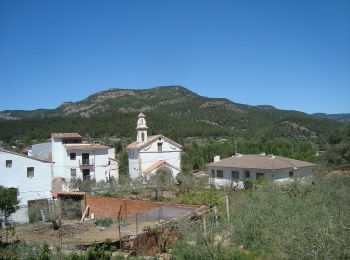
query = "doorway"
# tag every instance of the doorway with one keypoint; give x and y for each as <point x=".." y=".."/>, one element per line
<point x="86" y="174"/>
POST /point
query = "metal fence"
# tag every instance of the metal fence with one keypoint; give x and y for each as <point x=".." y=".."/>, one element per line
<point x="134" y="224"/>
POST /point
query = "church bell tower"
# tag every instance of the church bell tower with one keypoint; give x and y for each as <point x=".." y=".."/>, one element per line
<point x="141" y="129"/>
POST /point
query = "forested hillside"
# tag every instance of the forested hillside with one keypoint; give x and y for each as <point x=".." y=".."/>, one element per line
<point x="174" y="111"/>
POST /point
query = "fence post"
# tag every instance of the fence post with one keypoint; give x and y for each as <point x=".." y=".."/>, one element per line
<point x="160" y="213"/>
<point x="137" y="226"/>
<point x="205" y="226"/>
<point x="227" y="209"/>
<point x="216" y="215"/>
<point x="119" y="219"/>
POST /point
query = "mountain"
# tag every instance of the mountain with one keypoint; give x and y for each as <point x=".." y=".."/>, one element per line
<point x="345" y="117"/>
<point x="171" y="110"/>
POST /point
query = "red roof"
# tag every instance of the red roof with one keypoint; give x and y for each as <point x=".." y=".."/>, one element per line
<point x="158" y="164"/>
<point x="68" y="193"/>
<point x="26" y="156"/>
<point x="70" y="147"/>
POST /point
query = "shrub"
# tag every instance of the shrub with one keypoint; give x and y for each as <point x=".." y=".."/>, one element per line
<point x="200" y="196"/>
<point x="104" y="222"/>
<point x="296" y="221"/>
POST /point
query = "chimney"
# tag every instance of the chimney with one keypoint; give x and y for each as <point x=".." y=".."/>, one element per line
<point x="111" y="153"/>
<point x="216" y="158"/>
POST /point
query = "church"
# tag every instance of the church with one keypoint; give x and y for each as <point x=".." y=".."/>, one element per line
<point x="150" y="155"/>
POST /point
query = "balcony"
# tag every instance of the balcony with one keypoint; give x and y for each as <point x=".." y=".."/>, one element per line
<point x="87" y="177"/>
<point x="85" y="163"/>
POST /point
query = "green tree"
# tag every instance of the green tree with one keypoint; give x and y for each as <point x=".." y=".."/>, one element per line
<point x="8" y="205"/>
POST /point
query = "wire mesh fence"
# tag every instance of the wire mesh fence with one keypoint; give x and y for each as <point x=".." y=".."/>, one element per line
<point x="136" y="223"/>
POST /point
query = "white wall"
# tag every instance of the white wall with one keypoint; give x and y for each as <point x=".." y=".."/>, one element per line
<point x="275" y="175"/>
<point x="133" y="155"/>
<point x="150" y="154"/>
<point x="169" y="153"/>
<point x="100" y="169"/>
<point x="41" y="151"/>
<point x="37" y="187"/>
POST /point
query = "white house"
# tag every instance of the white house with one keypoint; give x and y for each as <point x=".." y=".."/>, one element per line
<point x="74" y="159"/>
<point x="29" y="177"/>
<point x="152" y="154"/>
<point x="234" y="170"/>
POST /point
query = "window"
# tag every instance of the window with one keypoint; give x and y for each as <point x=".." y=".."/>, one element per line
<point x="8" y="163"/>
<point x="259" y="175"/>
<point x="235" y="175"/>
<point x="160" y="147"/>
<point x="219" y="174"/>
<point x="142" y="137"/>
<point x="247" y="174"/>
<point x="30" y="172"/>
<point x="86" y="174"/>
<point x="85" y="157"/>
<point x="72" y="156"/>
<point x="73" y="173"/>
<point x="291" y="174"/>
<point x="212" y="173"/>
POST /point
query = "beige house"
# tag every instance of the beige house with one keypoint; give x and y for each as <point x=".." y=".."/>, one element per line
<point x="234" y="170"/>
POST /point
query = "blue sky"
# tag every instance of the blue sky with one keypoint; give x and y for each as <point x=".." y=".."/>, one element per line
<point x="293" y="54"/>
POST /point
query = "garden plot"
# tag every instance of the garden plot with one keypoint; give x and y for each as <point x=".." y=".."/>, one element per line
<point x="113" y="219"/>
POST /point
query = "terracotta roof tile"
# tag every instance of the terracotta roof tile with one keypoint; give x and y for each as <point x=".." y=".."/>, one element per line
<point x="158" y="164"/>
<point x="71" y="147"/>
<point x="26" y="156"/>
<point x="68" y="193"/>
<point x="252" y="161"/>
<point x="155" y="165"/>
<point x="150" y="139"/>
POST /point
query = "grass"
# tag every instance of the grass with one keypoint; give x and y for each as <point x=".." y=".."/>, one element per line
<point x="296" y="221"/>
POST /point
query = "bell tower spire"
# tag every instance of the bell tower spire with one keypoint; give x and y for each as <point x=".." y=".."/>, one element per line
<point x="141" y="129"/>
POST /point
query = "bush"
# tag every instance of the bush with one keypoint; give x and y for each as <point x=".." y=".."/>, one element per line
<point x="297" y="221"/>
<point x="104" y="222"/>
<point x="294" y="221"/>
<point x="200" y="196"/>
<point x="185" y="250"/>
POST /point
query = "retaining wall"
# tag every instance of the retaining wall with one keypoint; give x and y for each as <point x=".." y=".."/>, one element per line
<point x="104" y="207"/>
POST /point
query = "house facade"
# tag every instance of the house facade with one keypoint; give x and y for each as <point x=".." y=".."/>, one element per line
<point x="150" y="155"/>
<point x="29" y="177"/>
<point x="50" y="166"/>
<point x="232" y="171"/>
<point x="74" y="159"/>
